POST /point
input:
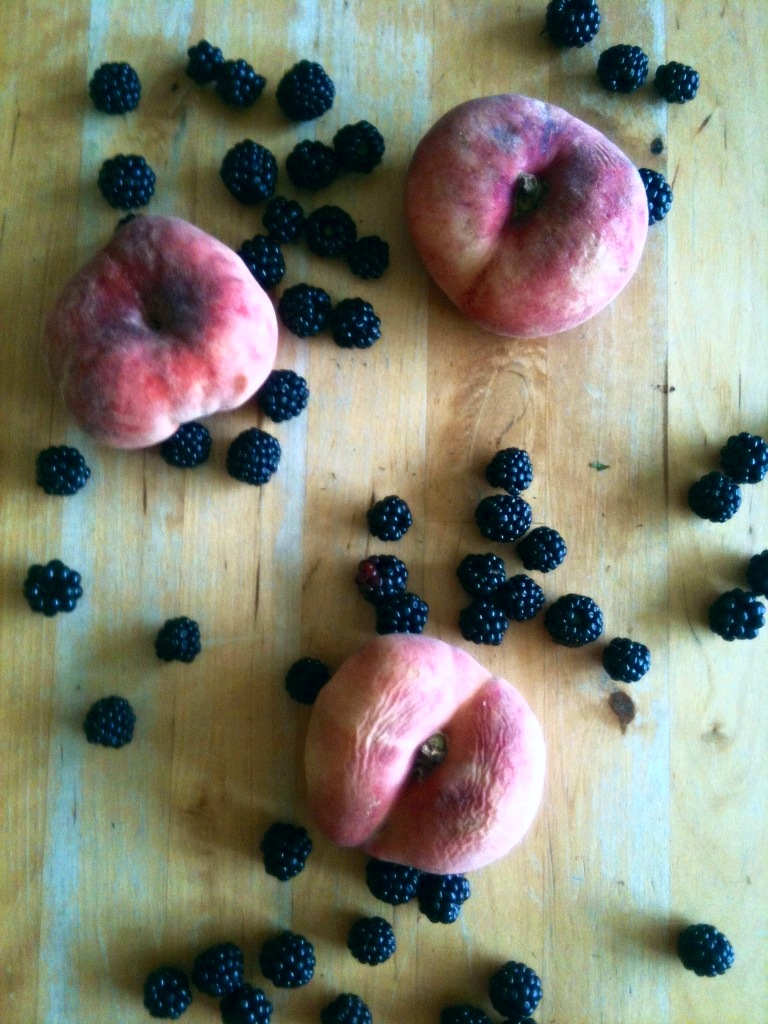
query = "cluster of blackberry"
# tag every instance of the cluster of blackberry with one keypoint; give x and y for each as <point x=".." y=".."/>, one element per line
<point x="440" y="897"/>
<point x="307" y="310"/>
<point x="236" y="81"/>
<point x="514" y="991"/>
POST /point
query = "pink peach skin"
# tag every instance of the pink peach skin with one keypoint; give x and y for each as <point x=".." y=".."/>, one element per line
<point x="164" y="325"/>
<point x="528" y="274"/>
<point x="366" y="728"/>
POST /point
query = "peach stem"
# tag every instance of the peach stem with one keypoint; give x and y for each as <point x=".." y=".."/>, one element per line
<point x="529" y="192"/>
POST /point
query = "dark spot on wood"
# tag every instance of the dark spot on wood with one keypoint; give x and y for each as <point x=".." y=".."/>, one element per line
<point x="622" y="705"/>
<point x="704" y="123"/>
<point x="657" y="145"/>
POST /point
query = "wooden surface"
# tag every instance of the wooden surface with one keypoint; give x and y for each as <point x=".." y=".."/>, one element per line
<point x="116" y="862"/>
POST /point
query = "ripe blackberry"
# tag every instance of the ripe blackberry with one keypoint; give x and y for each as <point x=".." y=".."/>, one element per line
<point x="253" y="456"/>
<point x="380" y="577"/>
<point x="167" y="993"/>
<point x="441" y="897"/>
<point x="371" y="940"/>
<point x="572" y="22"/>
<point x="519" y="597"/>
<point x="218" y="969"/>
<point x="359" y="147"/>
<point x="61" y="470"/>
<point x="204" y="62"/>
<point x="285" y="849"/>
<point x="189" y="447"/>
<point x="542" y="549"/>
<point x="346" y="1008"/>
<point x="178" y="640"/>
<point x="503" y="517"/>
<point x="368" y="258"/>
<point x="573" y="620"/>
<point x="658" y="194"/>
<point x="714" y="497"/>
<point x="115" y="88"/>
<point x="126" y="181"/>
<point x="283" y="219"/>
<point x="264" y="258"/>
<point x="238" y="84"/>
<point x="249" y="171"/>
<point x="305" y="678"/>
<point x="622" y="68"/>
<point x="391" y="883"/>
<point x="305" y="91"/>
<point x="483" y="622"/>
<point x="389" y="518"/>
<point x="511" y="469"/>
<point x="247" y="1005"/>
<point x="757" y="573"/>
<point x="704" y="950"/>
<point x="329" y="231"/>
<point x="312" y="165"/>
<point x="675" y="82"/>
<point x="304" y="309"/>
<point x="354" y="324"/>
<point x="463" y="1013"/>
<point x="287" y="960"/>
<point x="744" y="458"/>
<point x="625" y="660"/>
<point x="481" y="575"/>
<point x="737" y="615"/>
<point x="283" y="395"/>
<point x="515" y="989"/>
<point x="402" y="613"/>
<point x="52" y="588"/>
<point x="109" y="722"/>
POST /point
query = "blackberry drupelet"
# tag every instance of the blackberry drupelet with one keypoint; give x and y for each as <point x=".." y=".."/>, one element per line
<point x="737" y="615"/>
<point x="744" y="458"/>
<point x="483" y="622"/>
<point x="110" y="722"/>
<point x="288" y="960"/>
<point x="391" y="883"/>
<point x="115" y="88"/>
<point x="520" y="598"/>
<point x="658" y="194"/>
<point x="481" y="575"/>
<point x="704" y="950"/>
<point x="305" y="679"/>
<point x="285" y="848"/>
<point x="189" y="447"/>
<point x="625" y="660"/>
<point x="61" y="470"/>
<point x="359" y="147"/>
<point x="167" y="993"/>
<point x="675" y="82"/>
<point x="573" y="620"/>
<point x="346" y="1008"/>
<point x="312" y="165"/>
<point x="441" y="897"/>
<point x="249" y="171"/>
<point x="757" y="573"/>
<point x="368" y="258"/>
<point x="572" y="22"/>
<point x="389" y="518"/>
<point x="354" y="324"/>
<point x="253" y="456"/>
<point x="542" y="549"/>
<point x="264" y="258"/>
<point x="126" y="181"/>
<point x="178" y="640"/>
<point x="204" y="62"/>
<point x="714" y="497"/>
<point x="380" y="577"/>
<point x="304" y="309"/>
<point x="329" y="231"/>
<point x="511" y="469"/>
<point x="401" y="613"/>
<point x="515" y="989"/>
<point x="622" y="68"/>
<point x="238" y="84"/>
<point x="503" y="517"/>
<point x="247" y="1005"/>
<point x="463" y="1013"/>
<point x="283" y="395"/>
<point x="218" y="969"/>
<point x="371" y="940"/>
<point x="283" y="219"/>
<point x="305" y="91"/>
<point x="52" y="588"/>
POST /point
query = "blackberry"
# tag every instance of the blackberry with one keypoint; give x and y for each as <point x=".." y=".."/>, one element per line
<point x="757" y="573"/>
<point x="304" y="309"/>
<point x="189" y="447"/>
<point x="354" y="324"/>
<point x="658" y="194"/>
<point x="463" y="1013"/>
<point x="675" y="82"/>
<point x="380" y="577"/>
<point x="625" y="660"/>
<point x="312" y="165"/>
<point x="305" y="91"/>
<point x="371" y="940"/>
<point x="368" y="258"/>
<point x="572" y="22"/>
<point x="483" y="622"/>
<point x="503" y="517"/>
<point x="126" y="181"/>
<point x="253" y="456"/>
<point x="204" y="62"/>
<point x="264" y="258"/>
<point x="283" y="395"/>
<point x="167" y="993"/>
<point x="346" y="1009"/>
<point x="402" y="613"/>
<point x="61" y="470"/>
<point x="285" y="849"/>
<point x="657" y="145"/>
<point x="178" y="640"/>
<point x="305" y="678"/>
<point x="714" y="497"/>
<point x="329" y="231"/>
<point x="573" y="620"/>
<point x="389" y="518"/>
<point x="52" y="588"/>
<point x="511" y="469"/>
<point x="238" y="84"/>
<point x="441" y="897"/>
<point x="744" y="458"/>
<point x="542" y="549"/>
<point x="622" y="68"/>
<point x="515" y="989"/>
<point x="737" y="615"/>
<point x="359" y="147"/>
<point x="704" y="950"/>
<point x="283" y="219"/>
<point x="249" y="170"/>
<point x="218" y="970"/>
<point x="109" y="722"/>
<point x="247" y="1005"/>
<point x="481" y="575"/>
<point x="391" y="883"/>
<point x="288" y="960"/>
<point x="115" y="88"/>
<point x="520" y="598"/>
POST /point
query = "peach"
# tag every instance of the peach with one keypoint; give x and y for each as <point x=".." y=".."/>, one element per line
<point x="420" y="756"/>
<point x="163" y="325"/>
<point x="529" y="220"/>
